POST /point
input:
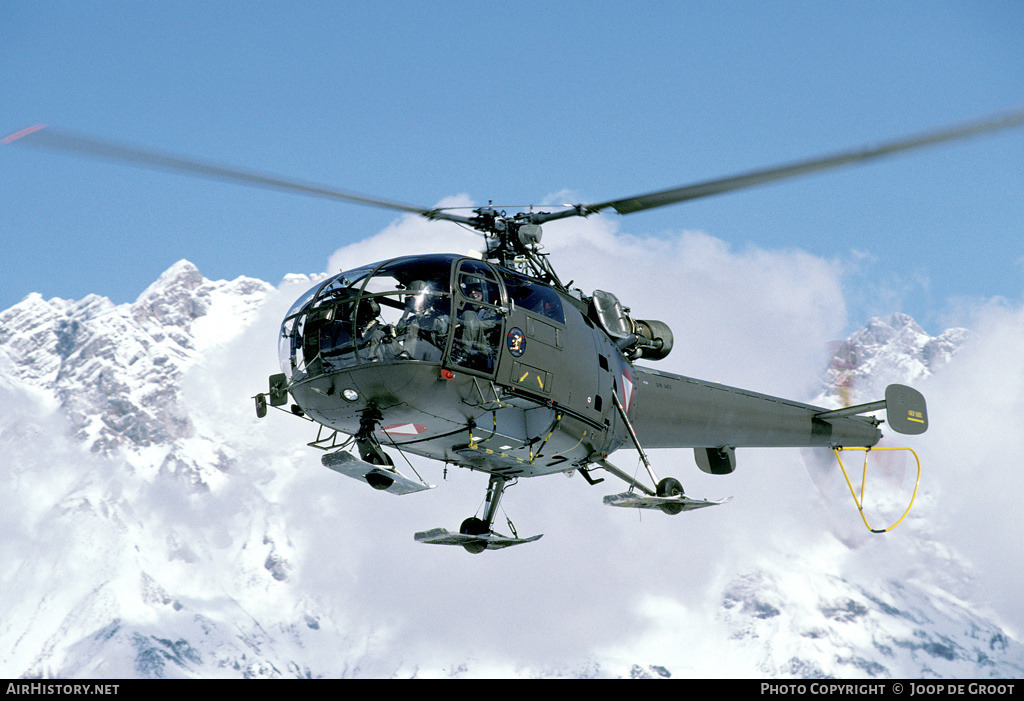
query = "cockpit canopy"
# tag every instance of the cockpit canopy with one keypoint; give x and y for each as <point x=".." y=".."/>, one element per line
<point x="428" y="308"/>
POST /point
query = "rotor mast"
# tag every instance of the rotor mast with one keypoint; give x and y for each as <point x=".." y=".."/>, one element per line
<point x="513" y="241"/>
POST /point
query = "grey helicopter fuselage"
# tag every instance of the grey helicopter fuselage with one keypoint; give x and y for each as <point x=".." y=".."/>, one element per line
<point x="466" y="362"/>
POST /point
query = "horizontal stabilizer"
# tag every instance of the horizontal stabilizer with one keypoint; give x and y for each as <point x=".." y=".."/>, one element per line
<point x="905" y="410"/>
<point x="386" y="479"/>
<point x="492" y="541"/>
<point x="675" y="504"/>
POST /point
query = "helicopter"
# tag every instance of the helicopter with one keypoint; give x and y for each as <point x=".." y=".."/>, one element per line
<point x="490" y="362"/>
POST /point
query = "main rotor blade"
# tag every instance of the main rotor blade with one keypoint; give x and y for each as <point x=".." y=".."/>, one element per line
<point x="47" y="137"/>
<point x="713" y="187"/>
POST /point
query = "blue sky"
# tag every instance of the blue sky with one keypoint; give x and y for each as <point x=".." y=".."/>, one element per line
<point x="518" y="102"/>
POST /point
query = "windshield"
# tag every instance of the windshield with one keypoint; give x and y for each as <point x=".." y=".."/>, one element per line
<point x="395" y="310"/>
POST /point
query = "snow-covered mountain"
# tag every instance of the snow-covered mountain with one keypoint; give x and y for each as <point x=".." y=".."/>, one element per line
<point x="114" y="370"/>
<point x="154" y="527"/>
<point x="890" y="349"/>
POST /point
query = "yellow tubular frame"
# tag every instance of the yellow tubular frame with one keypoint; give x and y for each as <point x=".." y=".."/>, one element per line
<point x="859" y="501"/>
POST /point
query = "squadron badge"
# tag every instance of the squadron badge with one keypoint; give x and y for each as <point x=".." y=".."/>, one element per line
<point x="516" y="342"/>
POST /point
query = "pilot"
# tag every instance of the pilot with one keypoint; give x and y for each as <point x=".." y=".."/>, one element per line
<point x="377" y="339"/>
<point x="424" y="324"/>
<point x="476" y="327"/>
<point x="335" y="339"/>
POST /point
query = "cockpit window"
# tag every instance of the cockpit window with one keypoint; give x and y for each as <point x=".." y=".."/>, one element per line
<point x="423" y="327"/>
<point x="394" y="310"/>
<point x="305" y="299"/>
<point x="534" y="296"/>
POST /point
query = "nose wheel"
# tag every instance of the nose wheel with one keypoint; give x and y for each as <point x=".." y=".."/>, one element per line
<point x="482" y="526"/>
<point x="474" y="526"/>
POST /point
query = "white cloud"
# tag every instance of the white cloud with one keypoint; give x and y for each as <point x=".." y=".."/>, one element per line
<point x="754" y="317"/>
<point x="410" y="234"/>
<point x="973" y="448"/>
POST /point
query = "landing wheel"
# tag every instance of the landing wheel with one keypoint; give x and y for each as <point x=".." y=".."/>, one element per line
<point x="474" y="526"/>
<point x="378" y="480"/>
<point x="670" y="487"/>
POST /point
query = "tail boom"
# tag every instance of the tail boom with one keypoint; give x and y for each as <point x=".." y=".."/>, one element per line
<point x="674" y="411"/>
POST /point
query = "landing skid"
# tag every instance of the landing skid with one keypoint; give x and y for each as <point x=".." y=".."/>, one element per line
<point x="670" y="505"/>
<point x="668" y="494"/>
<point x="384" y="478"/>
<point x="475" y="534"/>
<point x="487" y="541"/>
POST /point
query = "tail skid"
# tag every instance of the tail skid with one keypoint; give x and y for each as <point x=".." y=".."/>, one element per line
<point x="906" y="412"/>
<point x="859" y="499"/>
